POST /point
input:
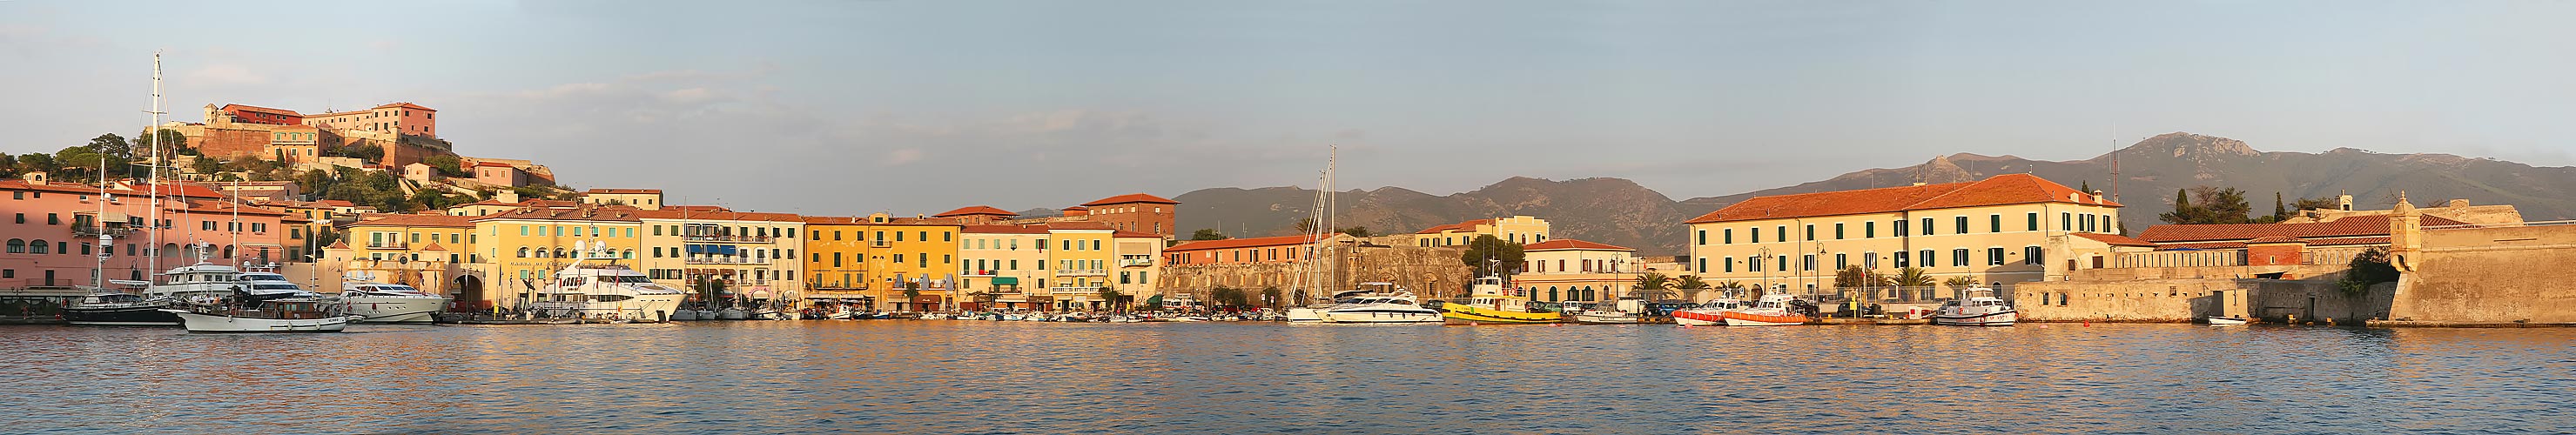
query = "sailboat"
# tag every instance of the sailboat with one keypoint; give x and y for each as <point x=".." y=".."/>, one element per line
<point x="1311" y="270"/>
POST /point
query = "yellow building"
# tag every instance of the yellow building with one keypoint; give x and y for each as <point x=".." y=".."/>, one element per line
<point x="431" y="252"/>
<point x="1007" y="262"/>
<point x="1518" y="229"/>
<point x="524" y="247"/>
<point x="648" y="199"/>
<point x="1140" y="257"/>
<point x="874" y="259"/>
<point x="1993" y="231"/>
<point x="754" y="254"/>
<point x="1568" y="270"/>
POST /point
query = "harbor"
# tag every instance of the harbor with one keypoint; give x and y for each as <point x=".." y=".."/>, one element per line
<point x="1247" y="377"/>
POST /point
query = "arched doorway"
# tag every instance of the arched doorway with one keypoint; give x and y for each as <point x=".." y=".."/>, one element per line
<point x="468" y="292"/>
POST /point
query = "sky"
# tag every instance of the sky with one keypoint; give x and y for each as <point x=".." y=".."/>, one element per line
<point x="917" y="107"/>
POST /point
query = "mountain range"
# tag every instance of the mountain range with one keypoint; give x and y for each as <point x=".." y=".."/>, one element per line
<point x="1621" y="212"/>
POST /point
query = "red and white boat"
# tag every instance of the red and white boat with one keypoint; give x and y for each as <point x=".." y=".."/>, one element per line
<point x="1772" y="310"/>
<point x="1707" y="314"/>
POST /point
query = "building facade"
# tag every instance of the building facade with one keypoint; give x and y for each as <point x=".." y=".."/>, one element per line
<point x="1567" y="270"/>
<point x="1517" y="229"/>
<point x="753" y="254"/>
<point x="1994" y="230"/>
<point x="529" y="245"/>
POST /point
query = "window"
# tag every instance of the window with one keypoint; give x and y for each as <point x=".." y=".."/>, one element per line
<point x="1757" y="234"/>
<point x="1751" y="264"/>
<point x="1703" y="265"/>
<point x="1703" y="237"/>
<point x="1994" y="223"/>
<point x="1927" y="226"/>
<point x="898" y="257"/>
<point x="1807" y="262"/>
<point x="2034" y="222"/>
<point x="1924" y="258"/>
<point x="53" y="219"/>
<point x="1841" y="262"/>
<point x="1959" y="257"/>
<point x="2030" y="255"/>
<point x="2065" y="221"/>
<point x="1838" y="231"/>
<point x="1869" y="229"/>
<point x="1782" y="231"/>
<point x="1810" y="232"/>
<point x="1898" y="227"/>
<point x="1995" y="256"/>
<point x="1782" y="262"/>
<point x="1961" y="225"/>
<point x="1900" y="258"/>
<point x="1729" y="235"/>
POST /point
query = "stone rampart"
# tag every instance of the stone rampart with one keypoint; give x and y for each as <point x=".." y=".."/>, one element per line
<point x="2501" y="275"/>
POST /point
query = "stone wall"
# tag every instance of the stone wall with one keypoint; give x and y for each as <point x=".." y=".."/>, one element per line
<point x="1429" y="272"/>
<point x="2502" y="275"/>
<point x="2183" y="300"/>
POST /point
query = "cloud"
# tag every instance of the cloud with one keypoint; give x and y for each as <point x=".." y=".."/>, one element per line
<point x="902" y="157"/>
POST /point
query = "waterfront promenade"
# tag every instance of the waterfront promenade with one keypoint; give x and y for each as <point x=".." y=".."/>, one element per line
<point x="1035" y="377"/>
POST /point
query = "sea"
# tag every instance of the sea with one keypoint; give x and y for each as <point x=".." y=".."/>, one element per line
<point x="973" y="377"/>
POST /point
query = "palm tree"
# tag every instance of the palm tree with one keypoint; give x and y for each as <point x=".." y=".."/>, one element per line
<point x="1651" y="286"/>
<point x="1691" y="286"/>
<point x="1909" y="277"/>
<point x="912" y="292"/>
<point x="1959" y="285"/>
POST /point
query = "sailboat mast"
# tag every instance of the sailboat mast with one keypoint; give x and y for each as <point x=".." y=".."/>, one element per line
<point x="153" y="199"/>
<point x="106" y="242"/>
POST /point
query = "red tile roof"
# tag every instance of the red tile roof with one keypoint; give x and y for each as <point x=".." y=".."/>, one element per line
<point x="1242" y="243"/>
<point x="1005" y="229"/>
<point x="624" y="191"/>
<point x="2372" y="225"/>
<point x="1997" y="190"/>
<point x="338" y="203"/>
<point x="251" y="108"/>
<point x="49" y="187"/>
<point x="1132" y="198"/>
<point x="432" y="246"/>
<point x="697" y="208"/>
<point x="483" y="164"/>
<point x="585" y="213"/>
<point x="2276" y="239"/>
<point x="228" y="207"/>
<point x="1125" y="234"/>
<point x="977" y="211"/>
<point x="415" y="220"/>
<point x="1571" y="244"/>
<point x="2115" y="239"/>
<point x="404" y="104"/>
<point x="1074" y="208"/>
<point x="670" y="213"/>
<point x="1461" y="226"/>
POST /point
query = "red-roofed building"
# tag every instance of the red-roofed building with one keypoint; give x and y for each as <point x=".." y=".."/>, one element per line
<point x="1997" y="230"/>
<point x="1568" y="270"/>
<point x="1133" y="212"/>
<point x="978" y="215"/>
<point x="1517" y="229"/>
<point x="1280" y="249"/>
<point x="648" y="199"/>
<point x="500" y="174"/>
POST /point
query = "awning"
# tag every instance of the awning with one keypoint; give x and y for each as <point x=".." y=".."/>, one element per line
<point x="1006" y="280"/>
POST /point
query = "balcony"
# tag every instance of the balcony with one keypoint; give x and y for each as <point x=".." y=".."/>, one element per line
<point x="1081" y="272"/>
<point x="387" y="245"/>
<point x="727" y="260"/>
<point x="726" y="238"/>
<point x="1135" y="262"/>
<point x="880" y="244"/>
<point x="93" y="231"/>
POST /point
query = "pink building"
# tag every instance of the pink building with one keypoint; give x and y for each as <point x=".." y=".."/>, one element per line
<point x="499" y="174"/>
<point x="403" y="118"/>
<point x="51" y="234"/>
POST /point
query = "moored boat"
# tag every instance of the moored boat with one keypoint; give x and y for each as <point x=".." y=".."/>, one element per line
<point x="378" y="302"/>
<point x="2223" y="320"/>
<point x="1707" y="314"/>
<point x="1488" y="305"/>
<point x="1383" y="303"/>
<point x="1771" y="310"/>
<point x="289" y="314"/>
<point x="605" y="290"/>
<point x="1979" y="308"/>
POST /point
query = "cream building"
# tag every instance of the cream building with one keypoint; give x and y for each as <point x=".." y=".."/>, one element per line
<point x="1519" y="229"/>
<point x="754" y="254"/>
<point x="1007" y="262"/>
<point x="1567" y="270"/>
<point x="1996" y="230"/>
<point x="648" y="199"/>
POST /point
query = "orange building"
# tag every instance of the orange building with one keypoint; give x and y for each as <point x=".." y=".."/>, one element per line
<point x="1133" y="212"/>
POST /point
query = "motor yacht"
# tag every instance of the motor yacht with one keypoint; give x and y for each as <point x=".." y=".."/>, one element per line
<point x="381" y="302"/>
<point x="606" y="290"/>
<point x="271" y="311"/>
<point x="1979" y="308"/>
<point x="1383" y="302"/>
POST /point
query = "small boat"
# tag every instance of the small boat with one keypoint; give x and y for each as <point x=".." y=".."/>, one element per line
<point x="2223" y="320"/>
<point x="1605" y="316"/>
<point x="1382" y="302"/>
<point x="1771" y="310"/>
<point x="1490" y="306"/>
<point x="285" y="314"/>
<point x="1707" y="314"/>
<point x="1979" y="308"/>
<point x="684" y="315"/>
<point x="732" y="314"/>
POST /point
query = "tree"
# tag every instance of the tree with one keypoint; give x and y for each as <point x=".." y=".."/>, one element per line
<point x="1207" y="234"/>
<point x="206" y="165"/>
<point x="2280" y="210"/>
<point x="1691" y="286"/>
<point x="1306" y="225"/>
<point x="2370" y="267"/>
<point x="37" y="162"/>
<point x="2209" y="205"/>
<point x="1653" y="286"/>
<point x="446" y="165"/>
<point x="1492" y="256"/>
<point x="1853" y="276"/>
<point x="1270" y="296"/>
<point x="912" y="292"/>
<point x="1355" y="231"/>
<point x="1112" y="297"/>
<point x="2088" y="186"/>
<point x="76" y="163"/>
<point x="1910" y="277"/>
<point x="1228" y="296"/>
<point x="1959" y="282"/>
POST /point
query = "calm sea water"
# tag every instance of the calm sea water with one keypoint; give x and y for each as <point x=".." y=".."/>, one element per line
<point x="902" y="376"/>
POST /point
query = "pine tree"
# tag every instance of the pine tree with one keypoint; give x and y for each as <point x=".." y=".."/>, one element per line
<point x="2280" y="210"/>
<point x="2183" y="213"/>
<point x="2088" y="186"/>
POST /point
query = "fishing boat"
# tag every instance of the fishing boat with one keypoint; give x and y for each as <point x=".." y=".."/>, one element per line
<point x="2223" y="320"/>
<point x="1707" y="314"/>
<point x="1771" y="310"/>
<point x="1488" y="305"/>
<point x="605" y="290"/>
<point x="1979" y="308"/>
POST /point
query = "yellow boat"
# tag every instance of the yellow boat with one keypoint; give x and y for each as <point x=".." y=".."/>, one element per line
<point x="1490" y="306"/>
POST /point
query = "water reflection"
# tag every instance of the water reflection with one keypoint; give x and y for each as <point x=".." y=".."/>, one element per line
<point x="971" y="377"/>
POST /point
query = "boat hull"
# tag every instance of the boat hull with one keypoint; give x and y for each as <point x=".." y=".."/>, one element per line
<point x="395" y="309"/>
<point x="139" y="315"/>
<point x="2223" y="321"/>
<point x="1606" y="319"/>
<point x="1382" y="316"/>
<point x="1998" y="318"/>
<point x="1460" y="314"/>
<point x="1750" y="319"/>
<point x="1698" y="318"/>
<point x="1305" y="315"/>
<point x="199" y="322"/>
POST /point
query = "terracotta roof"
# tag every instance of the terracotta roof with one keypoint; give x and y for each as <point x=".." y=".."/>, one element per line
<point x="1005" y="229"/>
<point x="432" y="246"/>
<point x="1997" y="190"/>
<point x="1461" y="226"/>
<point x="2372" y="225"/>
<point x="718" y="215"/>
<point x="251" y="108"/>
<point x="1571" y="244"/>
<point x="1074" y="208"/>
<point x="228" y="208"/>
<point x="585" y="213"/>
<point x="1242" y="243"/>
<point x="342" y="244"/>
<point x="2276" y="239"/>
<point x="414" y="220"/>
<point x="49" y="187"/>
<point x="977" y="211"/>
<point x="404" y="104"/>
<point x="1132" y="198"/>
<point x="697" y="208"/>
<point x="829" y="220"/>
<point x="483" y="164"/>
<point x="624" y="191"/>
<point x="863" y="220"/>
<point x="1079" y="225"/>
<point x="1124" y="234"/>
<point x="2313" y="243"/>
<point x="338" y="203"/>
<point x="2115" y="239"/>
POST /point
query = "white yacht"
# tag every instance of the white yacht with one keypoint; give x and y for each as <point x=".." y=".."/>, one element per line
<point x="1979" y="308"/>
<point x="1382" y="303"/>
<point x="606" y="290"/>
<point x="203" y="283"/>
<point x="381" y="302"/>
<point x="282" y="314"/>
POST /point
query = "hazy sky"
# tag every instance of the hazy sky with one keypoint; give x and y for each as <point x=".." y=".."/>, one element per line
<point x="921" y="106"/>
